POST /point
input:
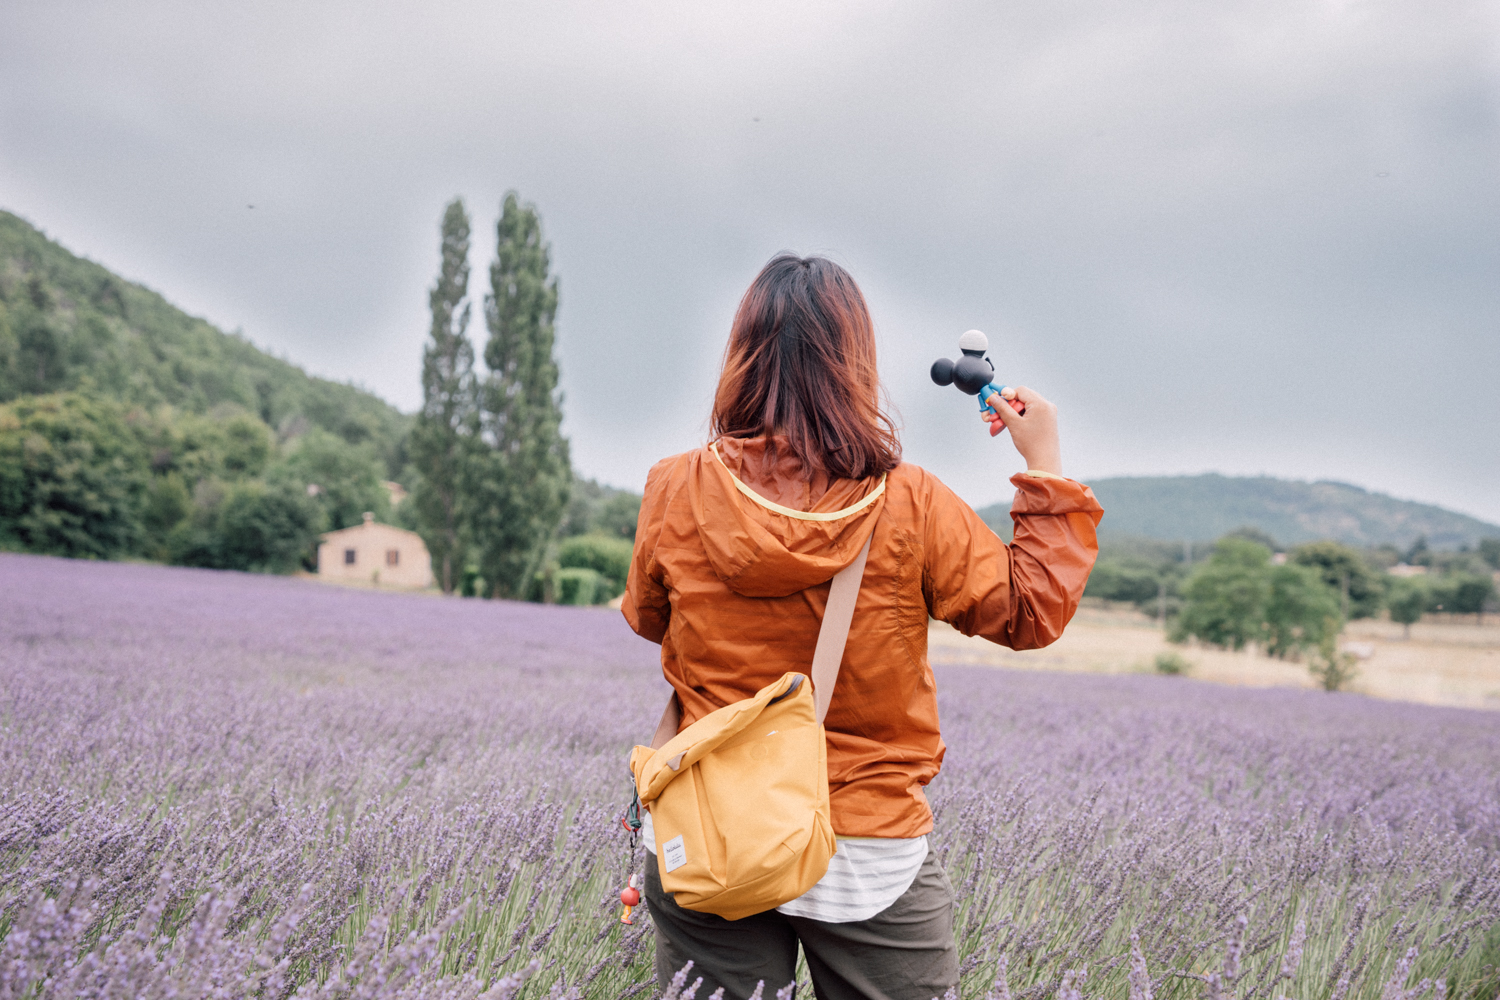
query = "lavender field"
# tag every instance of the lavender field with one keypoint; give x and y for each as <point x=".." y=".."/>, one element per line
<point x="214" y="784"/>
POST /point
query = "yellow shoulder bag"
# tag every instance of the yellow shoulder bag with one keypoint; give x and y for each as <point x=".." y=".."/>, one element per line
<point x="739" y="799"/>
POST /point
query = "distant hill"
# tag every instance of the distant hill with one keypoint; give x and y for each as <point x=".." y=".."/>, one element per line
<point x="1200" y="508"/>
<point x="66" y="322"/>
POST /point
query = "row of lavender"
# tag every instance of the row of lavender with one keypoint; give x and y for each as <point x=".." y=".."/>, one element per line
<point x="214" y="784"/>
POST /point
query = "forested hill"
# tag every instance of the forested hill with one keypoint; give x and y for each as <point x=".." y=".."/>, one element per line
<point x="68" y="323"/>
<point x="1200" y="508"/>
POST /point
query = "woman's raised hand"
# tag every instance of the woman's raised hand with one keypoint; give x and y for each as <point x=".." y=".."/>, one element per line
<point x="1034" y="432"/>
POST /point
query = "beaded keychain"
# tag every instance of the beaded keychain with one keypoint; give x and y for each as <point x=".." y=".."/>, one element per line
<point x="631" y="821"/>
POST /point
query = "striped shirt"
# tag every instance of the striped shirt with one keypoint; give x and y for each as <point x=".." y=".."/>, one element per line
<point x="865" y="875"/>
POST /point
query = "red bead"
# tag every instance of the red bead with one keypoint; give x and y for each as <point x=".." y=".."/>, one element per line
<point x="630" y="896"/>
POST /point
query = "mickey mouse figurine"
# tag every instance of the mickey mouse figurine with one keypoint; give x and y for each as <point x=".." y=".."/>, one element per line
<point x="972" y="374"/>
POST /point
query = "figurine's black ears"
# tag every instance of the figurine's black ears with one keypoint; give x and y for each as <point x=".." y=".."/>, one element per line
<point x="942" y="371"/>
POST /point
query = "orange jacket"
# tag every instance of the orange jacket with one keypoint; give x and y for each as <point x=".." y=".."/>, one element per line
<point x="733" y="558"/>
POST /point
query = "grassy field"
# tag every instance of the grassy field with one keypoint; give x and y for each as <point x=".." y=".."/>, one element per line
<point x="1452" y="662"/>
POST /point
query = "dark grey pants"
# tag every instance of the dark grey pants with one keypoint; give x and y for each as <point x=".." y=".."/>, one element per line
<point x="904" y="952"/>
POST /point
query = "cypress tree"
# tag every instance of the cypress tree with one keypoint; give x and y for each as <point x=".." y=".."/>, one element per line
<point x="442" y="441"/>
<point x="520" y="490"/>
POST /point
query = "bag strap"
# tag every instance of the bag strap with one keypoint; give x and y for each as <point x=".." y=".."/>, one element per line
<point x="671" y="718"/>
<point x="828" y="656"/>
<point x="833" y="634"/>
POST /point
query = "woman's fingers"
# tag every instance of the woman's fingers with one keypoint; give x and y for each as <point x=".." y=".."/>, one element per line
<point x="1029" y="396"/>
<point x="999" y="408"/>
<point x="1034" y="432"/>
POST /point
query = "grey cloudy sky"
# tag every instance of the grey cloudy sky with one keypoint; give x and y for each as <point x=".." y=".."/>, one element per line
<point x="1245" y="236"/>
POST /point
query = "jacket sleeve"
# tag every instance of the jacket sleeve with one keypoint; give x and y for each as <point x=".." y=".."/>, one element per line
<point x="645" y="605"/>
<point x="1023" y="594"/>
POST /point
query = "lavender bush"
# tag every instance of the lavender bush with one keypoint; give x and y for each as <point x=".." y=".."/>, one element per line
<point x="223" y="785"/>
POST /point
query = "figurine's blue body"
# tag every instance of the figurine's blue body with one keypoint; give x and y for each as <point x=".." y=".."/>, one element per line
<point x="990" y="390"/>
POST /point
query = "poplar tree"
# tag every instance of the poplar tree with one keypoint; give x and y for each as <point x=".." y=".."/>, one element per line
<point x="520" y="490"/>
<point x="442" y="442"/>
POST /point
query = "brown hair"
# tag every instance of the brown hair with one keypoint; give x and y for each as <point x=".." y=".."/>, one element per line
<point x="801" y="363"/>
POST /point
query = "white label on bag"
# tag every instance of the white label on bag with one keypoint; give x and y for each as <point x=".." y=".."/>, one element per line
<point x="673" y="854"/>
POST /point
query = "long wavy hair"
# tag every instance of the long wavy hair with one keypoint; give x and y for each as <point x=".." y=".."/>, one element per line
<point x="801" y="363"/>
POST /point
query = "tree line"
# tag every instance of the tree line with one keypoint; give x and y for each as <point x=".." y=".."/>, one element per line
<point x="86" y="476"/>
<point x="1293" y="607"/>
<point x="130" y="430"/>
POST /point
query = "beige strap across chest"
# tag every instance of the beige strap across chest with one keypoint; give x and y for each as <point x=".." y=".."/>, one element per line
<point x="833" y="636"/>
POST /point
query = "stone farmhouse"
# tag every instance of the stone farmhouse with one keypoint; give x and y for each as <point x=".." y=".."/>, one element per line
<point x="375" y="554"/>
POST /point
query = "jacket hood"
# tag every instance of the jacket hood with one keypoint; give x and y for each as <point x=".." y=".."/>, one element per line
<point x="770" y="530"/>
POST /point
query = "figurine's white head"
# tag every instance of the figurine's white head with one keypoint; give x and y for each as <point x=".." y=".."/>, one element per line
<point x="973" y="342"/>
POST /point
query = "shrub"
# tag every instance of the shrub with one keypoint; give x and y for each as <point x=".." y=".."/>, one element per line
<point x="1172" y="664"/>
<point x="1332" y="669"/>
<point x="580" y="586"/>
<point x="470" y="582"/>
<point x="609" y="557"/>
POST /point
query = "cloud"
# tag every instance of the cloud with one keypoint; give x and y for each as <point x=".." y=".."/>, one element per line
<point x="1248" y="236"/>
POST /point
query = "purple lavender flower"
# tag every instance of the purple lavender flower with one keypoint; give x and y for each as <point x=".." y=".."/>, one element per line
<point x="221" y="784"/>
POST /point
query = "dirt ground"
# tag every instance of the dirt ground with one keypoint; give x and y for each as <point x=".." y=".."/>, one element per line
<point x="1443" y="663"/>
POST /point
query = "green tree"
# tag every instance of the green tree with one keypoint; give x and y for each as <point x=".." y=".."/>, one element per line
<point x="40" y="365"/>
<point x="1124" y="580"/>
<point x="1300" y="611"/>
<point x="229" y="443"/>
<point x="519" y="489"/>
<point x="1407" y="599"/>
<point x="1489" y="551"/>
<point x="1441" y="593"/>
<point x="1471" y="593"/>
<point x="1359" y="587"/>
<point x="244" y="445"/>
<point x="1226" y="597"/>
<point x="167" y="504"/>
<point x="249" y="526"/>
<point x="442" y="441"/>
<point x="1251" y="533"/>
<point x="267" y="529"/>
<point x="344" y="479"/>
<point x="618" y="515"/>
<point x="195" y="539"/>
<point x="73" y="472"/>
<point x="593" y="508"/>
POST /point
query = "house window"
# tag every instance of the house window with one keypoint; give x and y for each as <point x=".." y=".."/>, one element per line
<point x="393" y="557"/>
<point x="348" y="557"/>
